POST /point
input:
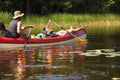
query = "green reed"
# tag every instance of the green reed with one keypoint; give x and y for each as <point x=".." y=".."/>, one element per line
<point x="5" y="17"/>
<point x="65" y="20"/>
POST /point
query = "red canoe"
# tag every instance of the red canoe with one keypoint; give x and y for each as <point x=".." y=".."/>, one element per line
<point x="36" y="42"/>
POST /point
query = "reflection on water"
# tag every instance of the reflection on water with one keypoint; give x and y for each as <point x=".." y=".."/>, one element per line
<point x="19" y="70"/>
<point x="97" y="60"/>
<point x="57" y="63"/>
<point x="45" y="63"/>
<point x="103" y="37"/>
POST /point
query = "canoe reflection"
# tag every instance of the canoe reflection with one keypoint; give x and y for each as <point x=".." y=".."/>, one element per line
<point x="30" y="64"/>
<point x="58" y="59"/>
<point x="11" y="62"/>
<point x="58" y="53"/>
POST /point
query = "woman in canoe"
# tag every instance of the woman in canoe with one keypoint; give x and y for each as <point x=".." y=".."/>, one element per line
<point x="15" y="26"/>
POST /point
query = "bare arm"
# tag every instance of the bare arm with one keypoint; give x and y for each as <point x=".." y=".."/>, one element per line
<point x="26" y="27"/>
<point x="19" y="27"/>
<point x="47" y="27"/>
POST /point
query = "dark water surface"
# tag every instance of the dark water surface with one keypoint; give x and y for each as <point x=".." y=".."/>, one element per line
<point x="66" y="62"/>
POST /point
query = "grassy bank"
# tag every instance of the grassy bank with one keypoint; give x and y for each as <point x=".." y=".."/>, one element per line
<point x="66" y="20"/>
<point x="75" y="19"/>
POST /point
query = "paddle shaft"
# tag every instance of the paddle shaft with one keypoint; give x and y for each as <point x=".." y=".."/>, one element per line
<point x="78" y="38"/>
<point x="26" y="40"/>
<point x="58" y="25"/>
<point x="62" y="28"/>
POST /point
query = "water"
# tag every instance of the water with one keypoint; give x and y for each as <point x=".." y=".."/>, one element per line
<point x="99" y="59"/>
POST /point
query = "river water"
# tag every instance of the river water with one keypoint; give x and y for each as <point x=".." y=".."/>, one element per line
<point x="98" y="59"/>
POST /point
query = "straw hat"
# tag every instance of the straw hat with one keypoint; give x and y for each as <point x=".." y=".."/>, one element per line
<point x="17" y="14"/>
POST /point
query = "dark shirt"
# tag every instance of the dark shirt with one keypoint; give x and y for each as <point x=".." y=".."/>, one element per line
<point x="13" y="28"/>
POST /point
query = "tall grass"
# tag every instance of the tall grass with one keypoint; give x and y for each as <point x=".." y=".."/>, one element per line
<point x="5" y="17"/>
<point x="65" y="20"/>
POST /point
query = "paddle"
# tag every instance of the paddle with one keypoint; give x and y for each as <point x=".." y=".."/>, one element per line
<point x="80" y="40"/>
<point x="26" y="40"/>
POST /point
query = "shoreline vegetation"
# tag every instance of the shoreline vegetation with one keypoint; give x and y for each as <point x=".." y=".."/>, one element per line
<point x="66" y="20"/>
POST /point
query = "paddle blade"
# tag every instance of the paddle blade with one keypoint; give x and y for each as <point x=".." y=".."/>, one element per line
<point x="81" y="41"/>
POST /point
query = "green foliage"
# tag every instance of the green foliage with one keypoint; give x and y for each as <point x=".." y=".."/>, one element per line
<point x="65" y="20"/>
<point x="45" y="7"/>
<point x="107" y="5"/>
<point x="5" y="5"/>
<point x="5" y="17"/>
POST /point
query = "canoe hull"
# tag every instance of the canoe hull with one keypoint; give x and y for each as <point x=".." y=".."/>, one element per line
<point x="55" y="41"/>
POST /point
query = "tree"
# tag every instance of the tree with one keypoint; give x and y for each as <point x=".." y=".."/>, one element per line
<point x="44" y="7"/>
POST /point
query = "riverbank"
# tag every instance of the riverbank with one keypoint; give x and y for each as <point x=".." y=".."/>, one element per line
<point x="102" y="23"/>
<point x="66" y="19"/>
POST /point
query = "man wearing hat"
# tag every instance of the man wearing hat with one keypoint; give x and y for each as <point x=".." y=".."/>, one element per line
<point x="15" y="26"/>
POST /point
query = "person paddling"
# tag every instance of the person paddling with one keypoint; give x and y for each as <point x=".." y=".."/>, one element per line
<point x="15" y="26"/>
